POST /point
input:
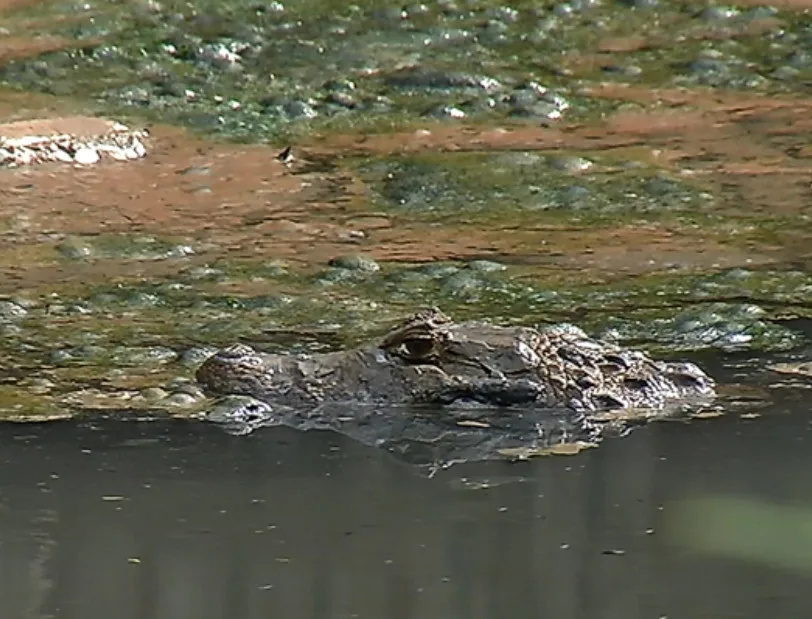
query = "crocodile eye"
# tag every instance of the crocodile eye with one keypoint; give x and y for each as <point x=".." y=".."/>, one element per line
<point x="417" y="349"/>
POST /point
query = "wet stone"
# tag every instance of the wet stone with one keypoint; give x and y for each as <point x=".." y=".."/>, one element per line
<point x="355" y="262"/>
<point x="518" y="158"/>
<point x="661" y="186"/>
<point x="415" y="186"/>
<point x="563" y="9"/>
<point x="709" y="66"/>
<point x="537" y="109"/>
<point x="262" y="304"/>
<point x="180" y="399"/>
<point x="785" y="73"/>
<point x="438" y="270"/>
<point x="190" y="388"/>
<point x="532" y="100"/>
<point x="406" y="279"/>
<point x="544" y="29"/>
<point x="335" y="276"/>
<point x="736" y="274"/>
<point x="800" y="59"/>
<point x="464" y="283"/>
<point x="447" y="111"/>
<point x="40" y="385"/>
<point x="641" y="4"/>
<point x="486" y="266"/>
<point x="627" y="71"/>
<point x="476" y="106"/>
<point x="193" y="357"/>
<point x="77" y="354"/>
<point x="718" y="13"/>
<point x="558" y="100"/>
<point x="449" y="7"/>
<point x="203" y="272"/>
<point x="583" y="5"/>
<point x="276" y="268"/>
<point x="441" y="36"/>
<point x="570" y="164"/>
<point x="420" y="77"/>
<point x="126" y="297"/>
<point x="11" y="311"/>
<point x="758" y="13"/>
<point x="344" y="86"/>
<point x="120" y="246"/>
<point x="493" y="33"/>
<point x="181" y="383"/>
<point x="224" y="57"/>
<point x="135" y="95"/>
<point x="504" y="14"/>
<point x="143" y="356"/>
<point x="153" y="394"/>
<point x="573" y="197"/>
<point x="10" y="330"/>
<point x="298" y="110"/>
<point x="342" y="99"/>
<point x="75" y="248"/>
<point x="525" y="96"/>
<point x="389" y="17"/>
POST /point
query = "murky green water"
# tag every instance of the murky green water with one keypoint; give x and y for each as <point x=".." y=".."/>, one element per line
<point x="174" y="520"/>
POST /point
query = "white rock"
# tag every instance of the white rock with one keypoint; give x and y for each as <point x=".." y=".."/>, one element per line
<point x="30" y="140"/>
<point x="61" y="155"/>
<point x="25" y="157"/>
<point x="118" y="154"/>
<point x="86" y="156"/>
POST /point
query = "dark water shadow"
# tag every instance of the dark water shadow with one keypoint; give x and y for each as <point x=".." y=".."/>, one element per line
<point x="173" y="520"/>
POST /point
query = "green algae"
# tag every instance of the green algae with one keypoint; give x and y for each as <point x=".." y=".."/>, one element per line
<point x="121" y="246"/>
<point x="104" y="348"/>
<point x="539" y="187"/>
<point x="250" y="71"/>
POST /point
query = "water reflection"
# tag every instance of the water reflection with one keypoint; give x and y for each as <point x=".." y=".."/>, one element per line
<point x="174" y="520"/>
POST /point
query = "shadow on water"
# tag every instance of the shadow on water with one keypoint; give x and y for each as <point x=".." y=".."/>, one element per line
<point x="171" y="519"/>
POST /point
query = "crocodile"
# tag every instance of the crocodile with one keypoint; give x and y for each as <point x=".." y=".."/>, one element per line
<point x="429" y="360"/>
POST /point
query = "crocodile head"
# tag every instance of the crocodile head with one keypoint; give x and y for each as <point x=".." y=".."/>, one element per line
<point x="563" y="365"/>
<point x="429" y="358"/>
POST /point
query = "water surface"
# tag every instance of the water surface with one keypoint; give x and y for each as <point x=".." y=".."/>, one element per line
<point x="176" y="520"/>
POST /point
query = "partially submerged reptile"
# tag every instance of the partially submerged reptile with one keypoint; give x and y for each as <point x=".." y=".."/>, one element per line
<point x="431" y="360"/>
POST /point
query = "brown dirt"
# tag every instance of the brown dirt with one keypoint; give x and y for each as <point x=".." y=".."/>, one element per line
<point x="14" y="48"/>
<point x="80" y="126"/>
<point x="752" y="150"/>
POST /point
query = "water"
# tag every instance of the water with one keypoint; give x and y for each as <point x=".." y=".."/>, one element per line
<point x="174" y="520"/>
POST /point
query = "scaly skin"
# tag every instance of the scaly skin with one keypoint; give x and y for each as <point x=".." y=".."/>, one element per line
<point x="431" y="359"/>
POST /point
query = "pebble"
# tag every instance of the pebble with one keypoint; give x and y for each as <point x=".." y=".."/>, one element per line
<point x="87" y="156"/>
<point x="355" y="262"/>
